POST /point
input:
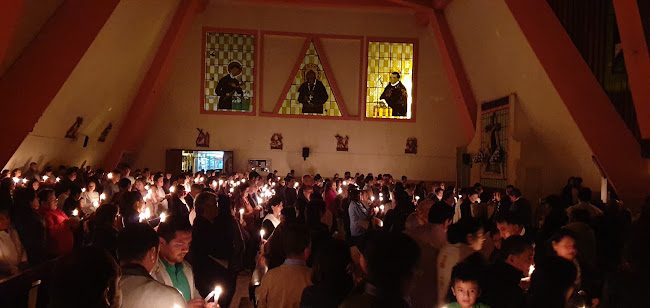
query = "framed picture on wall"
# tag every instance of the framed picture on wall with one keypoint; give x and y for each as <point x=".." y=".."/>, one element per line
<point x="391" y="79"/>
<point x="495" y="119"/>
<point x="228" y="70"/>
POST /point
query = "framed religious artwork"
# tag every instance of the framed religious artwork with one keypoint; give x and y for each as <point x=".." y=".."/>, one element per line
<point x="228" y="70"/>
<point x="391" y="79"/>
<point x="311" y="90"/>
<point x="495" y="119"/>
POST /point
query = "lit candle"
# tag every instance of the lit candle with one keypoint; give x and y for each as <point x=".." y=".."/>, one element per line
<point x="340" y="190"/>
<point x="241" y="214"/>
<point x="110" y="175"/>
<point x="45" y="177"/>
<point x="202" y="179"/>
<point x="16" y="180"/>
<point x="75" y="212"/>
<point x="381" y="198"/>
<point x="381" y="208"/>
<point x="102" y="197"/>
<point x="232" y="190"/>
<point x="172" y="189"/>
<point x="220" y="182"/>
<point x="259" y="200"/>
<point x="96" y="203"/>
<point x="146" y="187"/>
<point x="232" y="182"/>
<point x="531" y="269"/>
<point x="58" y="179"/>
<point x="296" y="185"/>
<point x="83" y="190"/>
<point x="262" y="233"/>
<point x="216" y="294"/>
<point x="243" y="180"/>
<point x="163" y="217"/>
<point x="372" y="198"/>
<point x="345" y="183"/>
<point x="25" y="181"/>
<point x="417" y="198"/>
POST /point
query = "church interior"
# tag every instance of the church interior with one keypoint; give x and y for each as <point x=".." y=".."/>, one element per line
<point x="493" y="94"/>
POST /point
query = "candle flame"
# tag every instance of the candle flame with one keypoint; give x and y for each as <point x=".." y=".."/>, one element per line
<point x="172" y="189"/>
<point x="110" y="175"/>
<point x="102" y="196"/>
<point x="83" y="190"/>
<point x="58" y="179"/>
<point x="75" y="212"/>
<point x="163" y="217"/>
<point x="262" y="233"/>
<point x="45" y="177"/>
<point x="96" y="203"/>
<point x="241" y="211"/>
<point x="16" y="180"/>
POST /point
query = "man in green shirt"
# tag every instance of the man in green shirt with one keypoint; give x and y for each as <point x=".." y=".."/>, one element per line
<point x="175" y="237"/>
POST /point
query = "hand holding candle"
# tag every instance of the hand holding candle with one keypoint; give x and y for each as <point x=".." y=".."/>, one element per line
<point x="214" y="294"/>
<point x="241" y="215"/>
<point x="262" y="233"/>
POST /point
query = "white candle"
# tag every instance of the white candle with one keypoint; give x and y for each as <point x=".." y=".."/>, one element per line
<point x="16" y="180"/>
<point x="96" y="203"/>
<point x="172" y="189"/>
<point x="232" y="190"/>
<point x="243" y="180"/>
<point x="45" y="177"/>
<point x="372" y="198"/>
<point x="163" y="217"/>
<point x="296" y="185"/>
<point x="241" y="214"/>
<point x="25" y="181"/>
<point x="220" y="182"/>
<point x="110" y="175"/>
<point x="102" y="196"/>
<point x="75" y="212"/>
<point x="58" y="179"/>
<point x="417" y="198"/>
<point x="83" y="190"/>
<point x="216" y="294"/>
<point x="381" y="207"/>
<point x="340" y="190"/>
<point x="262" y="233"/>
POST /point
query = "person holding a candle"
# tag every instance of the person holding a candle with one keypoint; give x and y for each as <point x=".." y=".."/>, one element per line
<point x="60" y="239"/>
<point x="503" y="288"/>
<point x="272" y="219"/>
<point x="137" y="249"/>
<point x="282" y="286"/>
<point x="111" y="188"/>
<point x="172" y="270"/>
<point x="89" y="197"/>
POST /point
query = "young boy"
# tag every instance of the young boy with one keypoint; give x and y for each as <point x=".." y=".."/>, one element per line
<point x="465" y="286"/>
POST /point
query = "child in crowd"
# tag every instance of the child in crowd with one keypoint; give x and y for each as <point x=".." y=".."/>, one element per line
<point x="465" y="286"/>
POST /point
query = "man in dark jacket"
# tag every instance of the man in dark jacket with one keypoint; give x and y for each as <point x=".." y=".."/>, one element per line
<point x="521" y="208"/>
<point x="504" y="289"/>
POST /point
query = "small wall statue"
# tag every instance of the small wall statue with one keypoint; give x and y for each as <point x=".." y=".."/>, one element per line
<point x="104" y="134"/>
<point x="276" y="141"/>
<point x="203" y="139"/>
<point x="72" y="131"/>
<point x="342" y="143"/>
<point x="411" y="146"/>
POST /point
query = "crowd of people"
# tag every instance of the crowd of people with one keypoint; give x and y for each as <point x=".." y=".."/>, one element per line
<point x="142" y="239"/>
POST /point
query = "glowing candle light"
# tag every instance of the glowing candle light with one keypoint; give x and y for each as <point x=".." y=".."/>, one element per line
<point x="163" y="217"/>
<point x="417" y="198"/>
<point x="102" y="197"/>
<point x="259" y="200"/>
<point x="216" y="294"/>
<point x="110" y="175"/>
<point x="58" y="179"/>
<point x="45" y="177"/>
<point x="220" y="182"/>
<point x="232" y="182"/>
<point x="262" y="233"/>
<point x="278" y="178"/>
<point x="172" y="189"/>
<point x="241" y="214"/>
<point x="295" y="185"/>
<point x="381" y="198"/>
<point x="16" y="180"/>
<point x="232" y="190"/>
<point x="531" y="269"/>
<point x="196" y="180"/>
<point x="83" y="190"/>
<point x="381" y="208"/>
<point x="372" y="198"/>
<point x="345" y="183"/>
<point x="25" y="181"/>
<point x="75" y="212"/>
<point x="340" y="190"/>
<point x="202" y="179"/>
<point x="96" y="203"/>
<point x="146" y="187"/>
<point x="243" y="180"/>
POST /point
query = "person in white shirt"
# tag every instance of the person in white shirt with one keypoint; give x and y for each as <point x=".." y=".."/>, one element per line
<point x="12" y="254"/>
<point x="90" y="198"/>
<point x="137" y="249"/>
<point x="272" y="219"/>
<point x="158" y="196"/>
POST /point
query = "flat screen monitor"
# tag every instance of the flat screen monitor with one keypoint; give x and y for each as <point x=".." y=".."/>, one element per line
<point x="196" y="161"/>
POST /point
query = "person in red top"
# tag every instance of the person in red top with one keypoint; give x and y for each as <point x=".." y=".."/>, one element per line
<point x="60" y="239"/>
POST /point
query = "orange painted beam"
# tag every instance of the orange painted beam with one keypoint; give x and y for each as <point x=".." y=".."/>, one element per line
<point x="611" y="142"/>
<point x="637" y="59"/>
<point x="356" y="4"/>
<point x="140" y="115"/>
<point x="30" y="84"/>
<point x="458" y="82"/>
<point x="10" y="12"/>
